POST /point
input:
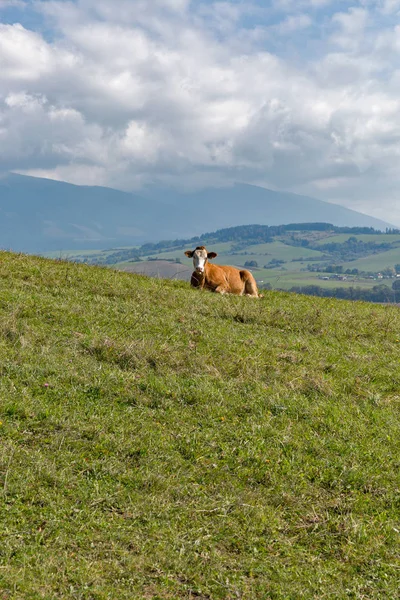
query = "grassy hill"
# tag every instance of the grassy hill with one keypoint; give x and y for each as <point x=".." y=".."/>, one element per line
<point x="160" y="442"/>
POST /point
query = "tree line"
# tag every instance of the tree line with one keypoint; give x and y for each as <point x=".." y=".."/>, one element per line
<point x="378" y="293"/>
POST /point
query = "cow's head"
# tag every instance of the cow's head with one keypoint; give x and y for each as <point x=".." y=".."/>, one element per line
<point x="200" y="257"/>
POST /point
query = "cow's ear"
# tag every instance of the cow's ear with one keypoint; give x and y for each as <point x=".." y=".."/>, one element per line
<point x="189" y="253"/>
<point x="211" y="255"/>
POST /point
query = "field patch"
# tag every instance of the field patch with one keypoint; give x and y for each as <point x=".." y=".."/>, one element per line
<point x="375" y="262"/>
<point x="340" y="238"/>
<point x="282" y="251"/>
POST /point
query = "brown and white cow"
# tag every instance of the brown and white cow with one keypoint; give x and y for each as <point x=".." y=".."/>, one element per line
<point x="220" y="279"/>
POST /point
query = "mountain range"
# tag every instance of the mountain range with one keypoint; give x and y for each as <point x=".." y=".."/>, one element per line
<point x="39" y="215"/>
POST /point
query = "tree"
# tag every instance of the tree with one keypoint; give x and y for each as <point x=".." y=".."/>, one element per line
<point x="396" y="284"/>
<point x="251" y="263"/>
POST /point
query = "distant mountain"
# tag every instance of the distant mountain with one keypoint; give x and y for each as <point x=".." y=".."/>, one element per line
<point x="41" y="214"/>
<point x="244" y="204"/>
<point x="38" y="215"/>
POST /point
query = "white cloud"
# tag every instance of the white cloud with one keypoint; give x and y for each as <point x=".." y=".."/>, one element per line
<point x="293" y="23"/>
<point x="12" y="3"/>
<point x="391" y="6"/>
<point x="24" y="54"/>
<point x="191" y="93"/>
<point x="351" y="28"/>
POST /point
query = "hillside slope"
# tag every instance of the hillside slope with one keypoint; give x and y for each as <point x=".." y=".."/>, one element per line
<point x="160" y="442"/>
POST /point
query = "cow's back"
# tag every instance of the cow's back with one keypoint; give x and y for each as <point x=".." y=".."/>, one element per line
<point x="234" y="281"/>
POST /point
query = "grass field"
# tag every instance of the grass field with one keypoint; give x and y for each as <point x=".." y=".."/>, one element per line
<point x="375" y="262"/>
<point x="161" y="442"/>
<point x="285" y="280"/>
<point x="282" y="251"/>
<point x="340" y="238"/>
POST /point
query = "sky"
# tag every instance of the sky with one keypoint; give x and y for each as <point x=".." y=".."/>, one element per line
<point x="296" y="95"/>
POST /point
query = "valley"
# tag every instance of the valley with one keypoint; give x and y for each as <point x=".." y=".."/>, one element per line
<point x="284" y="257"/>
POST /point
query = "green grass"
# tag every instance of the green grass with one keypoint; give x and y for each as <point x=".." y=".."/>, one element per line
<point x="375" y="262"/>
<point x="166" y="443"/>
<point x="285" y="280"/>
<point x="282" y="251"/>
<point x="340" y="238"/>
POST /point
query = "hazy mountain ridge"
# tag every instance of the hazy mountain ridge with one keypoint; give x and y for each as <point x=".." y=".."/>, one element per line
<point x="42" y="214"/>
<point x="39" y="215"/>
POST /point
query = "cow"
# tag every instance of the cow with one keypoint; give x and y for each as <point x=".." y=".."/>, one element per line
<point x="220" y="279"/>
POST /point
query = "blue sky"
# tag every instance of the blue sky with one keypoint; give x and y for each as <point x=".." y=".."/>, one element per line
<point x="297" y="95"/>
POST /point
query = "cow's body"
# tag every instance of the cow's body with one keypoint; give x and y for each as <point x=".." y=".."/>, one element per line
<point x="220" y="279"/>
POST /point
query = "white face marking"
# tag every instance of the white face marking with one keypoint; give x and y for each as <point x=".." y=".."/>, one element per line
<point x="199" y="260"/>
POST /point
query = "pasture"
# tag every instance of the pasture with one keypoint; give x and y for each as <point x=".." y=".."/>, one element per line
<point x="284" y="279"/>
<point x="161" y="442"/>
<point x="375" y="262"/>
<point x="340" y="238"/>
<point x="282" y="251"/>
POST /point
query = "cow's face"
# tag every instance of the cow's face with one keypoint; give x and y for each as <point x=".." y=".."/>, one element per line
<point x="200" y="257"/>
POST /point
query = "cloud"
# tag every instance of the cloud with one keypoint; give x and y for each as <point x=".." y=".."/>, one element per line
<point x="300" y="96"/>
<point x="11" y="3"/>
<point x="24" y="54"/>
<point x="391" y="6"/>
<point x="293" y="5"/>
<point x="293" y="23"/>
<point x="351" y="28"/>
